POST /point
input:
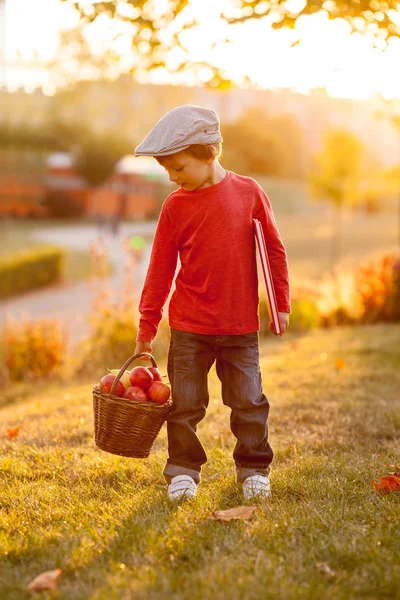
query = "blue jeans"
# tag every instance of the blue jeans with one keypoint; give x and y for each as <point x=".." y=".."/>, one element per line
<point x="190" y="358"/>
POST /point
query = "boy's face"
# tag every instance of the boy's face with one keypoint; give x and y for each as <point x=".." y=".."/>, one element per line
<point x="189" y="172"/>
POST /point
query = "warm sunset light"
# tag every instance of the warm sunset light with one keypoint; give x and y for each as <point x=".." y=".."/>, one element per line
<point x="200" y="299"/>
<point x="327" y="55"/>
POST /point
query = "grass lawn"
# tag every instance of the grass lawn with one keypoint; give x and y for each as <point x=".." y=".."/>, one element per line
<point x="105" y="521"/>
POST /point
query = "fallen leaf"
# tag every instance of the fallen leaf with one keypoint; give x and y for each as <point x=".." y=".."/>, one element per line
<point x="239" y="512"/>
<point x="45" y="581"/>
<point x="13" y="433"/>
<point x="340" y="364"/>
<point x="325" y="568"/>
<point x="388" y="484"/>
<point x="396" y="470"/>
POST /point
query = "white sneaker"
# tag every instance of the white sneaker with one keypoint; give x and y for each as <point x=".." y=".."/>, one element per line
<point x="256" y="486"/>
<point x="182" y="486"/>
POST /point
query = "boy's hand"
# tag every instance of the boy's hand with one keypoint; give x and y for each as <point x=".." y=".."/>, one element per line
<point x="143" y="347"/>
<point x="284" y="321"/>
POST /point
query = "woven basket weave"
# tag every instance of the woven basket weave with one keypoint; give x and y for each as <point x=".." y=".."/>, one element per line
<point x="127" y="427"/>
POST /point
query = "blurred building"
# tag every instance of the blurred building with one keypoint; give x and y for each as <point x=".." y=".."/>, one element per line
<point x="132" y="191"/>
<point x="21" y="185"/>
<point x="92" y="103"/>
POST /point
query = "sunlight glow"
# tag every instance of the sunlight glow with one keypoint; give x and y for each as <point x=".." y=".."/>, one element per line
<point x="327" y="55"/>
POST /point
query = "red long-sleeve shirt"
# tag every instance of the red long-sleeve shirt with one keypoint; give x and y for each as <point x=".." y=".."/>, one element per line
<point x="216" y="288"/>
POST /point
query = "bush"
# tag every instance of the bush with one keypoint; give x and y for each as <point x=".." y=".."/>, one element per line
<point x="33" y="350"/>
<point x="338" y="303"/>
<point x="29" y="270"/>
<point x="112" y="337"/>
<point x="369" y="294"/>
<point x="304" y="314"/>
<point x="378" y="287"/>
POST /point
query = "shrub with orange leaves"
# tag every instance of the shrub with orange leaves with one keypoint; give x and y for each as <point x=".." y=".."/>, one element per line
<point x="33" y="349"/>
<point x="378" y="288"/>
<point x="369" y="294"/>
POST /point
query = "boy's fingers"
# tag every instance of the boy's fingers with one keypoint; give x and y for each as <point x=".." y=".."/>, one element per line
<point x="272" y="328"/>
<point x="141" y="347"/>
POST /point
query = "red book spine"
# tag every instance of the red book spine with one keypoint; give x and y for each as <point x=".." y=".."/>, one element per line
<point x="269" y="284"/>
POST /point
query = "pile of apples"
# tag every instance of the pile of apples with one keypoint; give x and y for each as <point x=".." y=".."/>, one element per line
<point x="141" y="384"/>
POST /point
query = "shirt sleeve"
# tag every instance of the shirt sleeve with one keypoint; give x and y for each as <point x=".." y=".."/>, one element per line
<point x="275" y="248"/>
<point x="159" y="277"/>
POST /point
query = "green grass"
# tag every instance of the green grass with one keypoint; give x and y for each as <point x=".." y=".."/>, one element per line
<point x="106" y="522"/>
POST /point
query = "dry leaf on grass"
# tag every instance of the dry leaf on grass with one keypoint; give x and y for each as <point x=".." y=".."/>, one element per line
<point x="13" y="433"/>
<point x="239" y="512"/>
<point x="388" y="484"/>
<point x="325" y="568"/>
<point x="340" y="364"/>
<point x="45" y="581"/>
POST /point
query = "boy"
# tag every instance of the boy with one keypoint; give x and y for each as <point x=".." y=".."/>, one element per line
<point x="213" y="312"/>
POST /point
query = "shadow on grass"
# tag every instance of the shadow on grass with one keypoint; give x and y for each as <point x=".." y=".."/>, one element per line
<point x="131" y="544"/>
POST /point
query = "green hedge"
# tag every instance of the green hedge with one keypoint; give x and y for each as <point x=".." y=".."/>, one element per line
<point x="28" y="270"/>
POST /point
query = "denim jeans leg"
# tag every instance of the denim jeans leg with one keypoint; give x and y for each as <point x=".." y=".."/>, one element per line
<point x="238" y="368"/>
<point x="190" y="358"/>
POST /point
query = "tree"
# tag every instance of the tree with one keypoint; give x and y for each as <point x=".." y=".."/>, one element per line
<point x="95" y="154"/>
<point x="148" y="28"/>
<point x="395" y="119"/>
<point x="260" y="144"/>
<point x="336" y="177"/>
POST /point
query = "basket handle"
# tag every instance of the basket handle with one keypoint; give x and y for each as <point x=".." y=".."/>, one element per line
<point x="126" y="365"/>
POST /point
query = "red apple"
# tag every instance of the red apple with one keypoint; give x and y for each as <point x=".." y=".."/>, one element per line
<point x="141" y="377"/>
<point x="158" y="392"/>
<point x="135" y="393"/>
<point x="106" y="385"/>
<point x="156" y="373"/>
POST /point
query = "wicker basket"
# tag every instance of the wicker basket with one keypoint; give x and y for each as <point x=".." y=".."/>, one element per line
<point x="126" y="427"/>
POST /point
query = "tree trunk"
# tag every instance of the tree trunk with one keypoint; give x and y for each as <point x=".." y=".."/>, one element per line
<point x="398" y="217"/>
<point x="336" y="241"/>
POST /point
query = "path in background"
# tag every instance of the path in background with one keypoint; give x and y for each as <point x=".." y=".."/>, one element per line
<point x="307" y="238"/>
<point x="72" y="304"/>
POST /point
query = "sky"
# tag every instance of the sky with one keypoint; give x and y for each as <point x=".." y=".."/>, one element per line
<point x="327" y="56"/>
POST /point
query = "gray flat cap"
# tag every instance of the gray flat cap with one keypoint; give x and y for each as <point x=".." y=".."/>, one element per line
<point x="179" y="129"/>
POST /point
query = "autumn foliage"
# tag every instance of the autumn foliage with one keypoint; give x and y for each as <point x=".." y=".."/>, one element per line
<point x="378" y="288"/>
<point x="388" y="484"/>
<point x="34" y="350"/>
